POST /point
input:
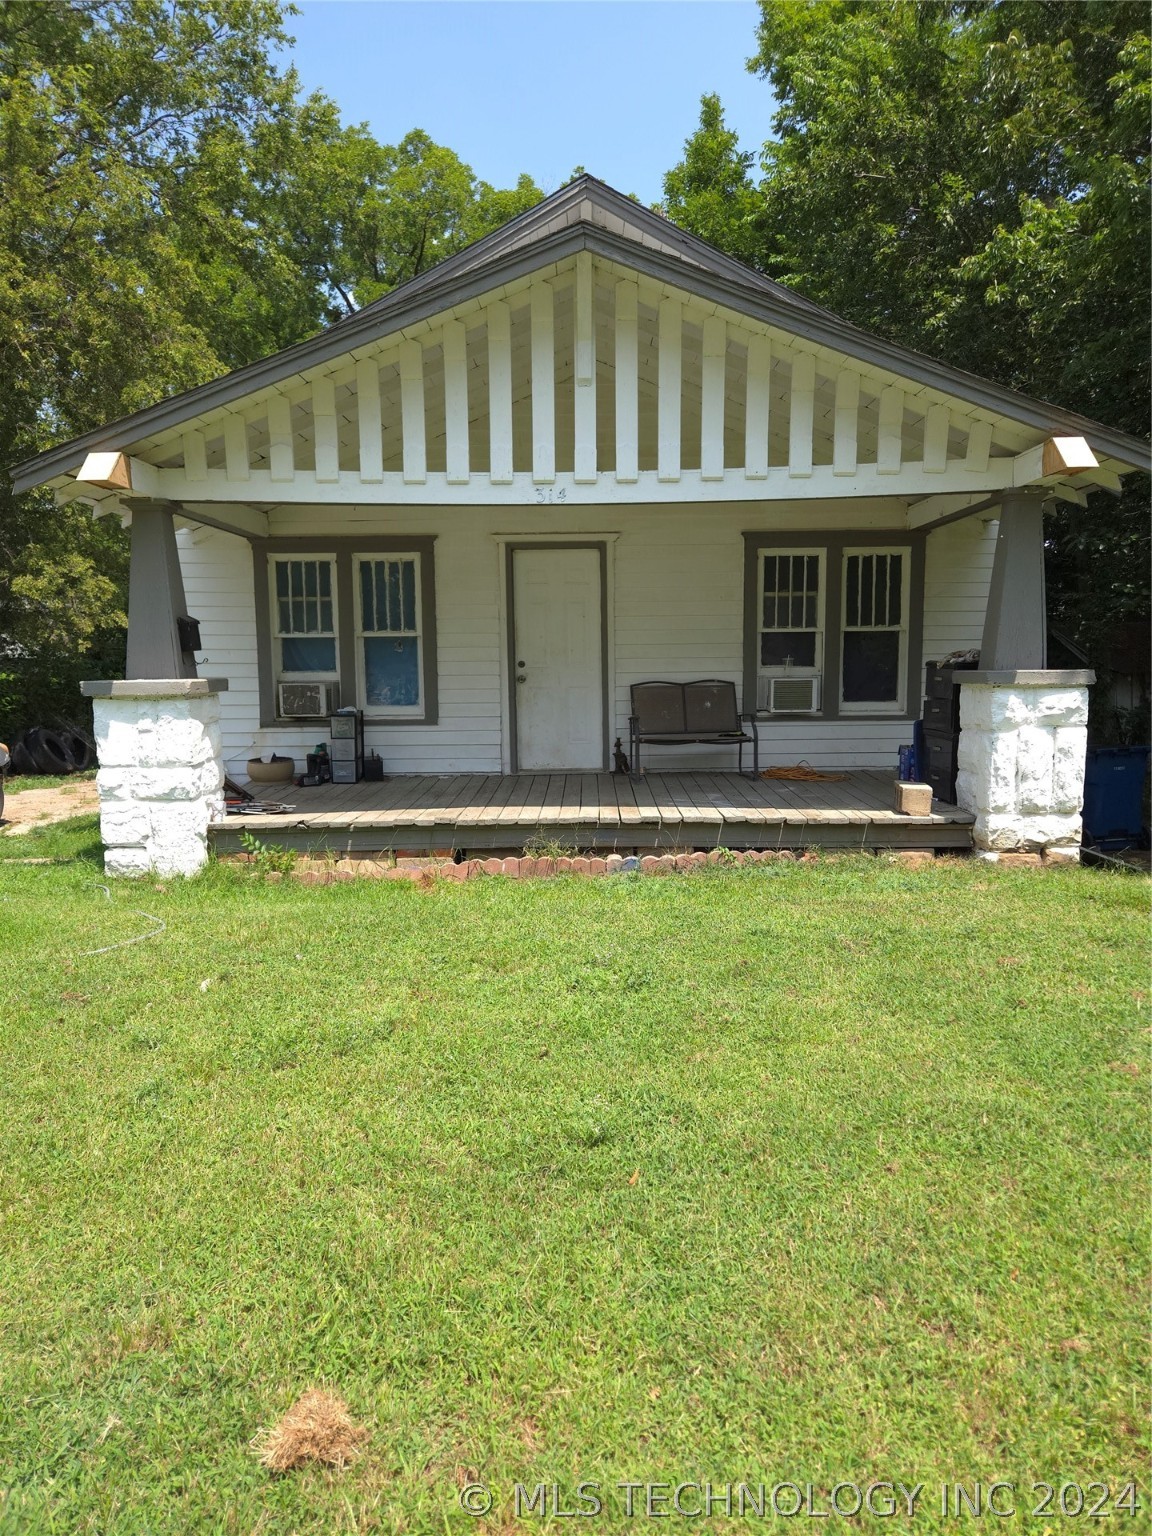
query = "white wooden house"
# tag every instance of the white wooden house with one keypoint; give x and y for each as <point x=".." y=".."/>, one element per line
<point x="588" y="451"/>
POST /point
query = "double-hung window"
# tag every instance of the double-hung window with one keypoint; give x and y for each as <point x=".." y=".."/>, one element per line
<point x="350" y="623"/>
<point x="389" y="652"/>
<point x="831" y="622"/>
<point x="874" y="667"/>
<point x="304" y="618"/>
<point x="791" y="641"/>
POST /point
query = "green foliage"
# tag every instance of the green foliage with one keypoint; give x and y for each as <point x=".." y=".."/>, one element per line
<point x="711" y="191"/>
<point x="267" y="858"/>
<point x="969" y="179"/>
<point x="656" y="1180"/>
<point x="171" y="210"/>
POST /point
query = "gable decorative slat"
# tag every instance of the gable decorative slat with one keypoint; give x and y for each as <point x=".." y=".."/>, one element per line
<point x="669" y="388"/>
<point x="979" y="442"/>
<point x="499" y="324"/>
<point x="195" y="457"/>
<point x="281" y="457"/>
<point x="800" y="419"/>
<point x="236" y="447"/>
<point x="412" y="412"/>
<point x="456" y="402"/>
<point x="584" y="406"/>
<point x="844" y="455"/>
<point x="757" y="405"/>
<point x="543" y="384"/>
<point x="324" y="420"/>
<point x="371" y="426"/>
<point x="936" y="423"/>
<point x="627" y="382"/>
<point x="715" y="350"/>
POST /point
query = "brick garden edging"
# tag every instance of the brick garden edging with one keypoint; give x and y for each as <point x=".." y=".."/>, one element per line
<point x="326" y="872"/>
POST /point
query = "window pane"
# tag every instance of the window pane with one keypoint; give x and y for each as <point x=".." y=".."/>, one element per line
<point x="784" y="647"/>
<point x="395" y="611"/>
<point x="769" y="573"/>
<point x="310" y="578"/>
<point x="813" y="579"/>
<point x="281" y="579"/>
<point x="325" y="579"/>
<point x="880" y="614"/>
<point x="392" y="671"/>
<point x="852" y="590"/>
<point x="871" y="666"/>
<point x="408" y="586"/>
<point x="326" y="611"/>
<point x="285" y="608"/>
<point x="367" y="596"/>
<point x="895" y="594"/>
<point x="810" y="613"/>
<point x="300" y="655"/>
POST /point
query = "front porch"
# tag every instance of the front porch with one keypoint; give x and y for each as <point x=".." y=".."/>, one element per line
<point x="418" y="813"/>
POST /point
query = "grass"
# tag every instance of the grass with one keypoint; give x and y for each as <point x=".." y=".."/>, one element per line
<point x="822" y="1173"/>
<point x="76" y="838"/>
<point x="19" y="782"/>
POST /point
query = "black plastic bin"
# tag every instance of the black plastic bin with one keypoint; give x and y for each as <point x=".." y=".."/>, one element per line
<point x="1114" y="794"/>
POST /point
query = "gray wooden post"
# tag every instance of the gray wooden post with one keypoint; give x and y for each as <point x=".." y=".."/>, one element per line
<point x="1016" y="621"/>
<point x="155" y="597"/>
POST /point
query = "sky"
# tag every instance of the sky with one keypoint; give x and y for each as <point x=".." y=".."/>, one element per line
<point x="541" y="86"/>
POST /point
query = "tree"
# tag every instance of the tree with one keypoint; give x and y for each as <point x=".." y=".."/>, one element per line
<point x="171" y="210"/>
<point x="711" y="191"/>
<point x="970" y="178"/>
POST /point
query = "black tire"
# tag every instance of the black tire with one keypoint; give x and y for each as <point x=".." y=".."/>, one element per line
<point x="48" y="752"/>
<point x="79" y="747"/>
<point x="21" y="758"/>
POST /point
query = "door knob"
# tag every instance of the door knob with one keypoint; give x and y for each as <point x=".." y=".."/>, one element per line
<point x="521" y="678"/>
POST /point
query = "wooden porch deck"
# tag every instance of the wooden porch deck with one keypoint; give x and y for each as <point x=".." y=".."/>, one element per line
<point x="417" y="813"/>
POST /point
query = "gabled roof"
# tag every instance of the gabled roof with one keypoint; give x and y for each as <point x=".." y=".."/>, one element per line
<point x="586" y="215"/>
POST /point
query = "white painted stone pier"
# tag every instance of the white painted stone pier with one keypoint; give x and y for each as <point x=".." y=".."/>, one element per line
<point x="1020" y="763"/>
<point x="161" y="772"/>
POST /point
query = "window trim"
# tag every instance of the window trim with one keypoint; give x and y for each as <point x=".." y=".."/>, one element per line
<point x="834" y="542"/>
<point x="346" y="549"/>
<point x="280" y="675"/>
<point x="877" y="707"/>
<point x="820" y="628"/>
<point x="398" y="711"/>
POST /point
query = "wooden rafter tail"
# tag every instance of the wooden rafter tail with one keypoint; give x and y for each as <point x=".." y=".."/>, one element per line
<point x="1068" y="456"/>
<point x="110" y="471"/>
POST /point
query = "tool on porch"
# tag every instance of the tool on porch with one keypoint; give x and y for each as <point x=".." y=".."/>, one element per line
<point x="374" y="767"/>
<point x="346" y="730"/>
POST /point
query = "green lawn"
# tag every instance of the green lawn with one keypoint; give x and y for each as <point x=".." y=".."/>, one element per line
<point x="821" y="1173"/>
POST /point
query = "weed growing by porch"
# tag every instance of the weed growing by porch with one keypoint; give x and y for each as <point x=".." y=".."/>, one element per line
<point x="821" y="1173"/>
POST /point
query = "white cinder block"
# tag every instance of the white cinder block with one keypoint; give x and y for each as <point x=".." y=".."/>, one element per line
<point x="124" y="823"/>
<point x="159" y="781"/>
<point x="1070" y="754"/>
<point x="132" y="862"/>
<point x="1034" y="751"/>
<point x="1020" y="765"/>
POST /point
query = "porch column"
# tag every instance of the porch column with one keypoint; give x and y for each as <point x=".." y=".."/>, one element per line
<point x="1016" y="621"/>
<point x="156" y="606"/>
<point x="161" y="767"/>
<point x="1023" y="727"/>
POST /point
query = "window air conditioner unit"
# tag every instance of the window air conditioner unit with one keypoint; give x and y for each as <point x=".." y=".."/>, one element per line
<point x="791" y="695"/>
<point x="308" y="701"/>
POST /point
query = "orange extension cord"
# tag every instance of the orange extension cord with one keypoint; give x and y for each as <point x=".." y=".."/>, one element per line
<point x="804" y="772"/>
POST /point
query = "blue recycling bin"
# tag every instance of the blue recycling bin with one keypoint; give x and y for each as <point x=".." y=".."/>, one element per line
<point x="1114" y="794"/>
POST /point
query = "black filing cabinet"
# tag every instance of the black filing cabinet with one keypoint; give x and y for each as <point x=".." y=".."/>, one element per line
<point x="346" y="746"/>
<point x="941" y="725"/>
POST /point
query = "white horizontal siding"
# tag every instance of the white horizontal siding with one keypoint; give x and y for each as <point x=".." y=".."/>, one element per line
<point x="677" y="612"/>
<point x="957" y="573"/>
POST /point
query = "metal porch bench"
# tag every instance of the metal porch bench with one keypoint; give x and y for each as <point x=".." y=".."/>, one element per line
<point x="672" y="714"/>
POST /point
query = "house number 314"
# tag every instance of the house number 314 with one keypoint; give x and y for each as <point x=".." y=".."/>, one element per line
<point x="547" y="493"/>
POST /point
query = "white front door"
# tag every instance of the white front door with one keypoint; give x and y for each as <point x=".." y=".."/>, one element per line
<point x="557" y="662"/>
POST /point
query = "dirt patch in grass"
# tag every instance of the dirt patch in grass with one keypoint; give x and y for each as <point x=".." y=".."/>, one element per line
<point x="317" y="1428"/>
